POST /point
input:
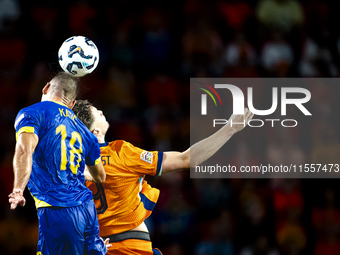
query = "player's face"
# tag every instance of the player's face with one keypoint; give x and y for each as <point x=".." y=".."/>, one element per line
<point x="100" y="120"/>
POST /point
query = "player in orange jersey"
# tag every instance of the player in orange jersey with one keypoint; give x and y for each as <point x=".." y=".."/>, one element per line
<point x="125" y="199"/>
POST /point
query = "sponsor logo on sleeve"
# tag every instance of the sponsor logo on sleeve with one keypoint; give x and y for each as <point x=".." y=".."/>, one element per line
<point x="147" y="156"/>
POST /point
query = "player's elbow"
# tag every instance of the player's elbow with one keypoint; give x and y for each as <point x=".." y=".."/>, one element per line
<point x="101" y="177"/>
<point x="182" y="160"/>
<point x="186" y="161"/>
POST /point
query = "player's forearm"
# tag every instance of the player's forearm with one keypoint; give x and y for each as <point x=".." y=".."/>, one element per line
<point x="22" y="167"/>
<point x="197" y="153"/>
<point x="203" y="150"/>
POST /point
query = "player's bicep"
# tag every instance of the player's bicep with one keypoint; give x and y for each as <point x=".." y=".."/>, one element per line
<point x="173" y="160"/>
<point x="26" y="143"/>
<point x="88" y="175"/>
<point x="97" y="173"/>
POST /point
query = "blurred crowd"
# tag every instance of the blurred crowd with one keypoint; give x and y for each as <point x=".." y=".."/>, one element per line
<point x="148" y="51"/>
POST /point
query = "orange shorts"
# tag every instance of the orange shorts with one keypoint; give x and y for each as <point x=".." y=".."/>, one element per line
<point x="131" y="246"/>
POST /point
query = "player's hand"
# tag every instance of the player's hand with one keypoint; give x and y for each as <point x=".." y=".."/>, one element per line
<point x="16" y="198"/>
<point x="240" y="119"/>
<point x="106" y="242"/>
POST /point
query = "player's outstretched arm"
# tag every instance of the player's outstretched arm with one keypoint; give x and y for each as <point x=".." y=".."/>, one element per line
<point x="22" y="167"/>
<point x="204" y="149"/>
<point x="95" y="173"/>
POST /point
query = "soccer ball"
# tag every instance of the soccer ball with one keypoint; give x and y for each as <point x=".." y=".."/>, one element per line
<point x="78" y="55"/>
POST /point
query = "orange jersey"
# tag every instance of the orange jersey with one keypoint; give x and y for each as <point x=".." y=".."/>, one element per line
<point x="125" y="199"/>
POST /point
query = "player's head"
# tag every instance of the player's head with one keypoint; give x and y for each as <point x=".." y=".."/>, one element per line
<point x="93" y="118"/>
<point x="64" y="86"/>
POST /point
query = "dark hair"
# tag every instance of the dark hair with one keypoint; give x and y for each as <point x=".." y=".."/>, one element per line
<point x="67" y="84"/>
<point x="82" y="109"/>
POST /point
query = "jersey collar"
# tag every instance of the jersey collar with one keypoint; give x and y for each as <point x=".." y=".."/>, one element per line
<point x="58" y="103"/>
<point x="103" y="144"/>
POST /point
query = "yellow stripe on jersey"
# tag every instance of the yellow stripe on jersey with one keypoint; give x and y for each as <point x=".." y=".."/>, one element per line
<point x="97" y="161"/>
<point x="24" y="130"/>
<point x="40" y="203"/>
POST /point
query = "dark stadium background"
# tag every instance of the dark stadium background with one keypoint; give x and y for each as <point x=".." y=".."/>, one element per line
<point x="148" y="52"/>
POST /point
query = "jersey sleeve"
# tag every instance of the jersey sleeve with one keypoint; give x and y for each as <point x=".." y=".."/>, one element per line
<point x="27" y="121"/>
<point x="93" y="157"/>
<point x="141" y="161"/>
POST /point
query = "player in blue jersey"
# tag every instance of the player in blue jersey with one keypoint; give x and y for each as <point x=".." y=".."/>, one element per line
<point x="51" y="151"/>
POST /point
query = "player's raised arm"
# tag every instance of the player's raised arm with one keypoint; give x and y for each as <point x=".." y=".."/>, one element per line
<point x="204" y="149"/>
<point x="22" y="167"/>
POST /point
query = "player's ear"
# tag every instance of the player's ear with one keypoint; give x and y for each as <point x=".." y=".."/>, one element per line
<point x="46" y="88"/>
<point x="95" y="131"/>
<point x="72" y="104"/>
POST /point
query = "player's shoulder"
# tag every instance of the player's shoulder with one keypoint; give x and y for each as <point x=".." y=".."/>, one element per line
<point x="119" y="145"/>
<point x="32" y="108"/>
<point x="42" y="107"/>
<point x="29" y="111"/>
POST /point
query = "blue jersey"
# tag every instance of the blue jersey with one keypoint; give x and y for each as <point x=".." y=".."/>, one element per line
<point x="65" y="146"/>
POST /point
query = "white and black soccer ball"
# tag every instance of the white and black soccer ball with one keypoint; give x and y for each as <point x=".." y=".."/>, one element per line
<point x="78" y="55"/>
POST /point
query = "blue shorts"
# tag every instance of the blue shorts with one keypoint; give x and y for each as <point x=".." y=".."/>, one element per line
<point x="69" y="230"/>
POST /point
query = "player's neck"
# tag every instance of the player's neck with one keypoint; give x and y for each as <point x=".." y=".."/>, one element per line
<point x="101" y="138"/>
<point x="55" y="98"/>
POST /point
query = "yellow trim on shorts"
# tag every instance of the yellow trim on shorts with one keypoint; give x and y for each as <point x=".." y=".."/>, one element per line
<point x="24" y="130"/>
<point x="40" y="203"/>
